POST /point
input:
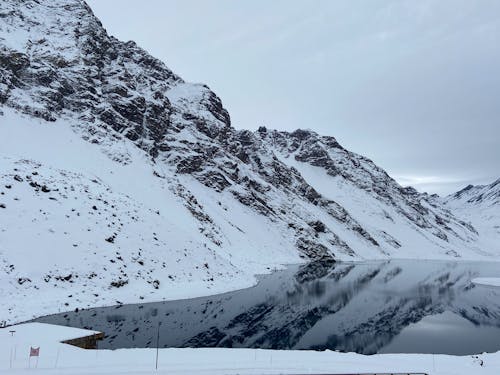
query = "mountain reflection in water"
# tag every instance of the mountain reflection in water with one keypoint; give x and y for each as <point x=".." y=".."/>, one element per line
<point x="372" y="307"/>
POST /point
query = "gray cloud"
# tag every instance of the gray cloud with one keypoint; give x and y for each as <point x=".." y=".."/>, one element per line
<point x="412" y="85"/>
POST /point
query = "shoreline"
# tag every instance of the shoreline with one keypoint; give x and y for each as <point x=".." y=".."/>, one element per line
<point x="245" y="283"/>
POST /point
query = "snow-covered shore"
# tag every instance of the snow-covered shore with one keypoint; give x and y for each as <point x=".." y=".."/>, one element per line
<point x="489" y="281"/>
<point x="57" y="358"/>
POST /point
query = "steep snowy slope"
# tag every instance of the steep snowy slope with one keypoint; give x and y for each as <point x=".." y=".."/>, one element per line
<point x="89" y="121"/>
<point x="76" y="230"/>
<point x="396" y="217"/>
<point x="480" y="205"/>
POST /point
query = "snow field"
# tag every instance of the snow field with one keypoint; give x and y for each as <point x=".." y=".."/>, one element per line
<point x="57" y="358"/>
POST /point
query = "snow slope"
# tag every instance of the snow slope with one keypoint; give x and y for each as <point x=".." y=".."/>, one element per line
<point x="480" y="205"/>
<point x="376" y="202"/>
<point x="120" y="181"/>
<point x="76" y="228"/>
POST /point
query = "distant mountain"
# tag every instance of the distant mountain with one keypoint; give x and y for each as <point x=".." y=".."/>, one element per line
<point x="119" y="177"/>
<point x="484" y="195"/>
<point x="480" y="205"/>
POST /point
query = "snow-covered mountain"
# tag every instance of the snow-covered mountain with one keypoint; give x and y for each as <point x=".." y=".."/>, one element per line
<point x="479" y="204"/>
<point x="477" y="195"/>
<point x="120" y="181"/>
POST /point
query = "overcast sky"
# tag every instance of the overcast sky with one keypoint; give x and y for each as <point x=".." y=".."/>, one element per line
<point x="413" y="85"/>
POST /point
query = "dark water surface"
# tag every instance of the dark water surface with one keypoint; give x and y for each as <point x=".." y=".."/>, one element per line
<point x="373" y="307"/>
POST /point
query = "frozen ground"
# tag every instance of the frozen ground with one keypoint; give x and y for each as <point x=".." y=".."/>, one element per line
<point x="57" y="358"/>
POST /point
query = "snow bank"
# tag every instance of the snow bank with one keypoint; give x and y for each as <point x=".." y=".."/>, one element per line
<point x="491" y="281"/>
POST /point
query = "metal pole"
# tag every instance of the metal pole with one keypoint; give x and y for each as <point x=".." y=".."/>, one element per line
<point x="157" y="344"/>
<point x="57" y="357"/>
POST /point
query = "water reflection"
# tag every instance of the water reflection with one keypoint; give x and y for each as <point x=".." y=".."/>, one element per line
<point x="365" y="307"/>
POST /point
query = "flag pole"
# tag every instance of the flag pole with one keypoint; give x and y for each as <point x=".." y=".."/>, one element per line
<point x="157" y="344"/>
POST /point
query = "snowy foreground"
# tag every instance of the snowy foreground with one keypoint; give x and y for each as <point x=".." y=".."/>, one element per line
<point x="57" y="358"/>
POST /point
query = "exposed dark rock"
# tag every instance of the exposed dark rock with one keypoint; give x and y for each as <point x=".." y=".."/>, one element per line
<point x="118" y="283"/>
<point x="190" y="165"/>
<point x="23" y="280"/>
<point x="318" y="226"/>
<point x="313" y="250"/>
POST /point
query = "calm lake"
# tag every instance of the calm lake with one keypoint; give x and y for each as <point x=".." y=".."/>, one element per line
<point x="373" y="307"/>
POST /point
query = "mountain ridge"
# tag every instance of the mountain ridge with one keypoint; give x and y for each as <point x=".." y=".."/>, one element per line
<point x="234" y="203"/>
<point x="476" y="194"/>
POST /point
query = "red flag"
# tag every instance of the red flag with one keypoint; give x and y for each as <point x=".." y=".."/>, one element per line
<point x="34" y="352"/>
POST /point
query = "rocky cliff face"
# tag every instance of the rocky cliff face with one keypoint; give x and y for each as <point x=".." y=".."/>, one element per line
<point x="57" y="60"/>
<point x="262" y="197"/>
